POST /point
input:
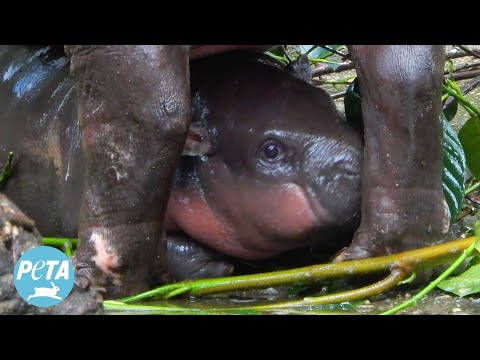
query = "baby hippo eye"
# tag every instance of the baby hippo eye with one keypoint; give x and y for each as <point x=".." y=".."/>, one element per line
<point x="272" y="150"/>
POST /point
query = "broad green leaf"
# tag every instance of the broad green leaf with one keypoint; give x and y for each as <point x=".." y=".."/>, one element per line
<point x="353" y="101"/>
<point x="451" y="110"/>
<point x="454" y="169"/>
<point x="470" y="138"/>
<point x="466" y="283"/>
<point x="353" y="105"/>
<point x="318" y="52"/>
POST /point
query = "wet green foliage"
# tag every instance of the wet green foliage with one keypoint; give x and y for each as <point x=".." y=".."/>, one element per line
<point x="468" y="282"/>
<point x="454" y="169"/>
<point x="470" y="138"/>
<point x="353" y="104"/>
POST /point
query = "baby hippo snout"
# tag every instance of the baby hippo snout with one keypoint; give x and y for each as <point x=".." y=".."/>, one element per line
<point x="333" y="173"/>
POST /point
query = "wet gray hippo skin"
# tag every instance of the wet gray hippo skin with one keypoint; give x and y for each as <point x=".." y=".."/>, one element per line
<point x="281" y="168"/>
<point x="271" y="165"/>
<point x="138" y="134"/>
<point x="403" y="206"/>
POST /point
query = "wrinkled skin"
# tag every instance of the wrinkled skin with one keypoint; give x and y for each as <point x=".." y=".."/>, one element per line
<point x="404" y="208"/>
<point x="262" y="184"/>
<point x="401" y="209"/>
<point x="253" y="184"/>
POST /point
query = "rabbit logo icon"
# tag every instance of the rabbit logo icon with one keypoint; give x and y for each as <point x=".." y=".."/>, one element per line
<point x="43" y="276"/>
<point x="48" y="292"/>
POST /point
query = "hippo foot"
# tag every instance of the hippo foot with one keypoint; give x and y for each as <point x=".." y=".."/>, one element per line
<point x="398" y="221"/>
<point x="17" y="235"/>
<point x="186" y="259"/>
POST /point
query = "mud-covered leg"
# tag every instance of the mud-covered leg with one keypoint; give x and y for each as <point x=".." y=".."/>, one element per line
<point x="402" y="200"/>
<point x="186" y="259"/>
<point x="133" y="105"/>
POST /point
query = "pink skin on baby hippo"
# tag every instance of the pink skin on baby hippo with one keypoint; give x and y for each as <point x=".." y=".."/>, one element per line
<point x="269" y="166"/>
<point x="132" y="106"/>
<point x="276" y="167"/>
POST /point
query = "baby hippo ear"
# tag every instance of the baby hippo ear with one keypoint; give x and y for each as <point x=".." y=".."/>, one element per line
<point x="198" y="142"/>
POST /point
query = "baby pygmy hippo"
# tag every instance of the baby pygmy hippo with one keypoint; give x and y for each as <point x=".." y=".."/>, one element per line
<point x="269" y="164"/>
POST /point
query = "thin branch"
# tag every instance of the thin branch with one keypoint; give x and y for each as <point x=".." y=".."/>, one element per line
<point x="338" y="95"/>
<point x="455" y="54"/>
<point x="468" y="51"/>
<point x="324" y="69"/>
<point x="336" y="52"/>
<point x="463" y="67"/>
<point x="464" y="75"/>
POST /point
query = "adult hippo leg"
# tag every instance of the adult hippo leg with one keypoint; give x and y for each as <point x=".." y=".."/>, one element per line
<point x="402" y="200"/>
<point x="133" y="106"/>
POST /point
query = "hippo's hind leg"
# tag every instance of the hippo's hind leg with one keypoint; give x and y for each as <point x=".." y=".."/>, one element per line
<point x="133" y="106"/>
<point x="403" y="206"/>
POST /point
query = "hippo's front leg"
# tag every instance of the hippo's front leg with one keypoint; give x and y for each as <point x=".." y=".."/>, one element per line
<point x="402" y="200"/>
<point x="133" y="105"/>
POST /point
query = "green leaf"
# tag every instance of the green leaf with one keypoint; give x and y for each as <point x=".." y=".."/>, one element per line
<point x="469" y="136"/>
<point x="353" y="105"/>
<point x="278" y="51"/>
<point x="466" y="283"/>
<point x="451" y="110"/>
<point x="454" y="169"/>
<point x="318" y="52"/>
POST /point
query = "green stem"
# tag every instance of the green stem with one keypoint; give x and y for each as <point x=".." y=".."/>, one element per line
<point x="472" y="188"/>
<point x="112" y="305"/>
<point x="411" y="259"/>
<point x="279" y="58"/>
<point x="388" y="283"/>
<point x="318" y="60"/>
<point x="59" y="241"/>
<point x="464" y="102"/>
<point x="466" y="253"/>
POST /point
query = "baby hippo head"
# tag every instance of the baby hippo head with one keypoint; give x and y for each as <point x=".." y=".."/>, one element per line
<point x="278" y="168"/>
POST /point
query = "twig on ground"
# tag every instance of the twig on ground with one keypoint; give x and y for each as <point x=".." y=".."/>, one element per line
<point x="336" y="52"/>
<point x="468" y="51"/>
<point x="464" y="67"/>
<point x="324" y="69"/>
